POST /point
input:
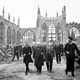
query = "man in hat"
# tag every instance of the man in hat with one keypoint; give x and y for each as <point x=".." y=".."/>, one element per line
<point x="27" y="51"/>
<point x="70" y="48"/>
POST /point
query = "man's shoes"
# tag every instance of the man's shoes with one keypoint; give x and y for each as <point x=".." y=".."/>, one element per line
<point x="66" y="72"/>
<point x="73" y="75"/>
<point x="50" y="70"/>
<point x="26" y="73"/>
<point x="28" y="70"/>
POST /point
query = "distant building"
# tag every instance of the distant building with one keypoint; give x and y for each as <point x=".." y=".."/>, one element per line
<point x="48" y="29"/>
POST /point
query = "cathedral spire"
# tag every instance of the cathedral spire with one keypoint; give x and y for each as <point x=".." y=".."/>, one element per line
<point x="46" y="14"/>
<point x="38" y="17"/>
<point x="38" y="11"/>
<point x="18" y="21"/>
<point x="64" y="11"/>
<point x="57" y="14"/>
<point x="3" y="12"/>
<point x="14" y="19"/>
<point x="8" y="16"/>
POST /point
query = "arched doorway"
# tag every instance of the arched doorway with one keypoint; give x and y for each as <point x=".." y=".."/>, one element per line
<point x="9" y="35"/>
<point x="28" y="36"/>
<point x="74" y="32"/>
<point x="2" y="33"/>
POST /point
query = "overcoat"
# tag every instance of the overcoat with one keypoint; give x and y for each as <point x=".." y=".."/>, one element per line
<point x="39" y="59"/>
<point x="27" y="55"/>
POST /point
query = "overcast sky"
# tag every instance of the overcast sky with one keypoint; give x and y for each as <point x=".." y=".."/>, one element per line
<point x="27" y="10"/>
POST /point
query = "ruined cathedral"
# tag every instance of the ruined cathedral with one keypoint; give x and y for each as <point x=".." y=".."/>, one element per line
<point x="51" y="29"/>
<point x="9" y="31"/>
<point x="48" y="29"/>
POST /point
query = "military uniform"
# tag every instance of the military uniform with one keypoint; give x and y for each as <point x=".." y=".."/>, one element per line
<point x="70" y="56"/>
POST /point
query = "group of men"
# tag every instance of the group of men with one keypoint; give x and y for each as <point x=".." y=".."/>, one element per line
<point x="44" y="53"/>
<point x="40" y="54"/>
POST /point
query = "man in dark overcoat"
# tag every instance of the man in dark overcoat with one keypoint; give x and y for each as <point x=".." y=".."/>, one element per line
<point x="70" y="49"/>
<point x="27" y="57"/>
<point x="39" y="60"/>
<point x="49" y="59"/>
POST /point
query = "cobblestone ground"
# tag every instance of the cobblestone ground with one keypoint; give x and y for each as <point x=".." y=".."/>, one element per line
<point x="16" y="71"/>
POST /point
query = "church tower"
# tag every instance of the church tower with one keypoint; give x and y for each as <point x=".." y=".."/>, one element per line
<point x="18" y="22"/>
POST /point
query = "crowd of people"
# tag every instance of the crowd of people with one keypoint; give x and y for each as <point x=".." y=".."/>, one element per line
<point x="40" y="54"/>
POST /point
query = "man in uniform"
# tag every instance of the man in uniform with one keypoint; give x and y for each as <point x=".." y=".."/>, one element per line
<point x="70" y="48"/>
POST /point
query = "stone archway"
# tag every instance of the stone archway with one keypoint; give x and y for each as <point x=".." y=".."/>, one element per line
<point x="2" y="32"/>
<point x="9" y="35"/>
<point x="74" y="32"/>
<point x="29" y="36"/>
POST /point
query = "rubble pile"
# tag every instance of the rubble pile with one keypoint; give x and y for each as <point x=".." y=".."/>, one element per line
<point x="5" y="55"/>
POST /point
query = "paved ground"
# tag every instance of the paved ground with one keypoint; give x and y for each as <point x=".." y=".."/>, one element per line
<point x="16" y="71"/>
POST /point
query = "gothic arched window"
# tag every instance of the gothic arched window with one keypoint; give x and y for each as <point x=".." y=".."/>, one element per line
<point x="18" y="36"/>
<point x="9" y="35"/>
<point x="44" y="26"/>
<point x="51" y="33"/>
<point x="29" y="36"/>
<point x="13" y="36"/>
<point x="2" y="32"/>
<point x="44" y="32"/>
